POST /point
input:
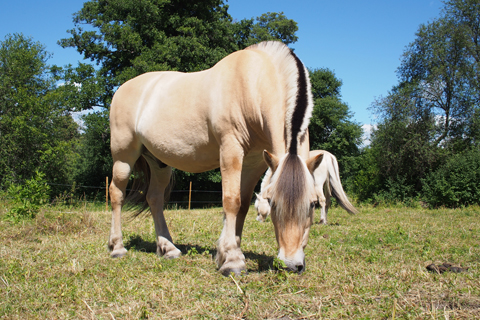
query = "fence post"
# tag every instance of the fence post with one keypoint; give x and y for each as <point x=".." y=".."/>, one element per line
<point x="190" y="195"/>
<point x="106" y="195"/>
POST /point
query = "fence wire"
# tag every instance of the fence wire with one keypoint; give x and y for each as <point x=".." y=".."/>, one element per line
<point x="72" y="201"/>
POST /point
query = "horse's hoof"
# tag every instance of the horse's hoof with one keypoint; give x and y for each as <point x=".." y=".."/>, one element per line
<point x="118" y="253"/>
<point x="173" y="254"/>
<point x="237" y="268"/>
<point x="235" y="272"/>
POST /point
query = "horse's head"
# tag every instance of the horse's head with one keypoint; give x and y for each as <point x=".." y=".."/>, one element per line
<point x="292" y="198"/>
<point x="263" y="208"/>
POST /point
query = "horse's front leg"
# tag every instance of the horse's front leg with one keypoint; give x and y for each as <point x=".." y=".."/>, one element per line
<point x="229" y="255"/>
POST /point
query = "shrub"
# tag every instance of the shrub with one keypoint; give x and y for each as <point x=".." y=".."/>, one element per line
<point x="396" y="191"/>
<point x="456" y="183"/>
<point x="28" y="198"/>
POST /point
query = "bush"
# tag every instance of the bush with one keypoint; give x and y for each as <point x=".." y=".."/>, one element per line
<point x="396" y="191"/>
<point x="28" y="198"/>
<point x="455" y="184"/>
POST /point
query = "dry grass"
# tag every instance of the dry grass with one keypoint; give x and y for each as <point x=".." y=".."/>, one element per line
<point x="368" y="266"/>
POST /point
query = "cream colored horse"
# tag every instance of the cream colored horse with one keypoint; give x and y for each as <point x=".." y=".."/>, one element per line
<point x="253" y="100"/>
<point x="327" y="178"/>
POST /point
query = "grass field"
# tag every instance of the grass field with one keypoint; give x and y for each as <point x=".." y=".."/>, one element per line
<point x="367" y="266"/>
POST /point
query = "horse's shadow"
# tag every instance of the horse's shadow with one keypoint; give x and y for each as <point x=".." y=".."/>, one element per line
<point x="137" y="243"/>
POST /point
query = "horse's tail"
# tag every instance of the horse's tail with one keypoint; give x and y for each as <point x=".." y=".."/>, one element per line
<point x="136" y="199"/>
<point x="336" y="185"/>
<point x="299" y="98"/>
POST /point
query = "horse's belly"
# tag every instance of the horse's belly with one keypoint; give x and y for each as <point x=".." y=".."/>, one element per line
<point x="186" y="151"/>
<point x="191" y="159"/>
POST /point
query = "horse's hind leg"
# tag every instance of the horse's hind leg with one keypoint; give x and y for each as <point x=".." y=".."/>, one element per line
<point x="120" y="175"/>
<point x="322" y="202"/>
<point x="159" y="179"/>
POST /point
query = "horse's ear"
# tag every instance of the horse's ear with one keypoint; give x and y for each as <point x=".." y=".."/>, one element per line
<point x="267" y="193"/>
<point x="314" y="162"/>
<point x="271" y="160"/>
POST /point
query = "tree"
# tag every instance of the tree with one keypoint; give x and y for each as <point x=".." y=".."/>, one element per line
<point x="128" y="38"/>
<point x="331" y="128"/>
<point x="36" y="129"/>
<point x="433" y="112"/>
<point x="94" y="158"/>
<point x="466" y="14"/>
<point x="436" y="64"/>
<point x="404" y="140"/>
<point x="269" y="26"/>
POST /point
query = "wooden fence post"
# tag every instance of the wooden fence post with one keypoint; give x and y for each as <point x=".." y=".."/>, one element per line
<point x="106" y="195"/>
<point x="190" y="195"/>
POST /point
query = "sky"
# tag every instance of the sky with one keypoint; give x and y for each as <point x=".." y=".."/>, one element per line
<point x="360" y="41"/>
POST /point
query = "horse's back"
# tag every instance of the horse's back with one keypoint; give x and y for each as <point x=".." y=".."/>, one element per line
<point x="182" y="118"/>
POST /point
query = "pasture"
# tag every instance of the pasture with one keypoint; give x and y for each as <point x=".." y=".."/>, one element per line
<point x="367" y="266"/>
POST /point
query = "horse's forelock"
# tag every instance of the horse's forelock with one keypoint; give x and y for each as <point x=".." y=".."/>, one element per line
<point x="290" y="200"/>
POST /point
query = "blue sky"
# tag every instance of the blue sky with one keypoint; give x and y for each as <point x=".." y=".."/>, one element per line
<point x="361" y="41"/>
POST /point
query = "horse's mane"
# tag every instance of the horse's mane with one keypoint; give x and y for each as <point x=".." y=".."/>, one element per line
<point x="289" y="189"/>
<point x="299" y="98"/>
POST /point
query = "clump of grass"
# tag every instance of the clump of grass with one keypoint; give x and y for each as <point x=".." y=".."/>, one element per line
<point x="371" y="265"/>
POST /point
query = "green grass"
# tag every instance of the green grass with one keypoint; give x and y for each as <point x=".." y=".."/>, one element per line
<point x="367" y="266"/>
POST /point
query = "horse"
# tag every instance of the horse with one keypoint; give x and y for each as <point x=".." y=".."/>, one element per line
<point x="247" y="113"/>
<point x="327" y="178"/>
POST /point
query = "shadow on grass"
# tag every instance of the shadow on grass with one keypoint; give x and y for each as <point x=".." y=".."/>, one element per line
<point x="137" y="243"/>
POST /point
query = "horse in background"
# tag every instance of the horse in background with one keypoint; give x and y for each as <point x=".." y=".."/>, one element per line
<point x="327" y="184"/>
<point x="249" y="111"/>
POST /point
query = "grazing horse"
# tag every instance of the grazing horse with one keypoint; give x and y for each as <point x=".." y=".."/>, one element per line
<point x="250" y="110"/>
<point x="327" y="179"/>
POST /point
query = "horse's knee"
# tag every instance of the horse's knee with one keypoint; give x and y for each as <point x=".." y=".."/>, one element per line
<point x="231" y="203"/>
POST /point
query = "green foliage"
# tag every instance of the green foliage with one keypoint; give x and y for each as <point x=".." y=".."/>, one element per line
<point x="396" y="190"/>
<point x="27" y="198"/>
<point x="366" y="182"/>
<point x="433" y="113"/>
<point x="36" y="129"/>
<point x="128" y="38"/>
<point x="437" y="66"/>
<point x="269" y="26"/>
<point x="456" y="183"/>
<point x="331" y="127"/>
<point x="404" y="141"/>
<point x="94" y="161"/>
<point x="81" y="87"/>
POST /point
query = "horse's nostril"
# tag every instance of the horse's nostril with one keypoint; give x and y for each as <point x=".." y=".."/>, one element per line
<point x="300" y="268"/>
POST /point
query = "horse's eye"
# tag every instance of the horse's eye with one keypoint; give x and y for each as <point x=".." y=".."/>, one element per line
<point x="313" y="204"/>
